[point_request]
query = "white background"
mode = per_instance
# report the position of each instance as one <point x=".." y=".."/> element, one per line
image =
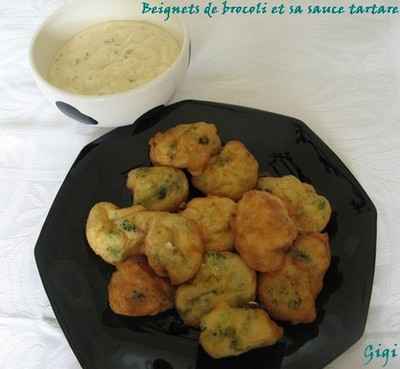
<point x="339" y="74"/>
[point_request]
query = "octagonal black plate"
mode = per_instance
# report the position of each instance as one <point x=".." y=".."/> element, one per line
<point x="76" y="280"/>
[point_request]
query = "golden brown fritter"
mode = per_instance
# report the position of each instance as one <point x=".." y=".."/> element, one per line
<point x="310" y="211"/>
<point x="158" y="188"/>
<point x="186" y="146"/>
<point x="135" y="290"/>
<point x="223" y="277"/>
<point x="287" y="294"/>
<point x="263" y="231"/>
<point x="227" y="331"/>
<point x="174" y="247"/>
<point x="230" y="174"/>
<point x="213" y="215"/>
<point x="112" y="234"/>
<point x="311" y="252"/>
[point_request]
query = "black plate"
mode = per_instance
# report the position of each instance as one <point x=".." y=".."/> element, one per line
<point x="75" y="279"/>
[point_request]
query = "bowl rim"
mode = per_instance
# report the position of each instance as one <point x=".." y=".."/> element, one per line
<point x="147" y="85"/>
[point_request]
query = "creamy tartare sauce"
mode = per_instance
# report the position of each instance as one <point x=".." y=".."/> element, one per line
<point x="113" y="57"/>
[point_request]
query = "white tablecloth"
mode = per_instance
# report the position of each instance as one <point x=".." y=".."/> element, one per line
<point x="339" y="74"/>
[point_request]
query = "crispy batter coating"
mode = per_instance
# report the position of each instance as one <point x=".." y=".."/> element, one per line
<point x="311" y="252"/>
<point x="158" y="188"/>
<point x="230" y="174"/>
<point x="228" y="331"/>
<point x="214" y="215"/>
<point x="112" y="234"/>
<point x="310" y="211"/>
<point x="135" y="290"/>
<point x="223" y="277"/>
<point x="174" y="247"/>
<point x="287" y="294"/>
<point x="187" y="146"/>
<point x="263" y="231"/>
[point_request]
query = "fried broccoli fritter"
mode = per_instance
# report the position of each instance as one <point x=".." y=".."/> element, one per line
<point x="310" y="211"/>
<point x="223" y="277"/>
<point x="263" y="231"/>
<point x="228" y="331"/>
<point x="186" y="146"/>
<point x="135" y="290"/>
<point x="287" y="294"/>
<point x="158" y="188"/>
<point x="230" y="174"/>
<point x="174" y="247"/>
<point x="214" y="216"/>
<point x="112" y="232"/>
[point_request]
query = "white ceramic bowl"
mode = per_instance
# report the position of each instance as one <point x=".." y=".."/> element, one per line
<point x="108" y="110"/>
